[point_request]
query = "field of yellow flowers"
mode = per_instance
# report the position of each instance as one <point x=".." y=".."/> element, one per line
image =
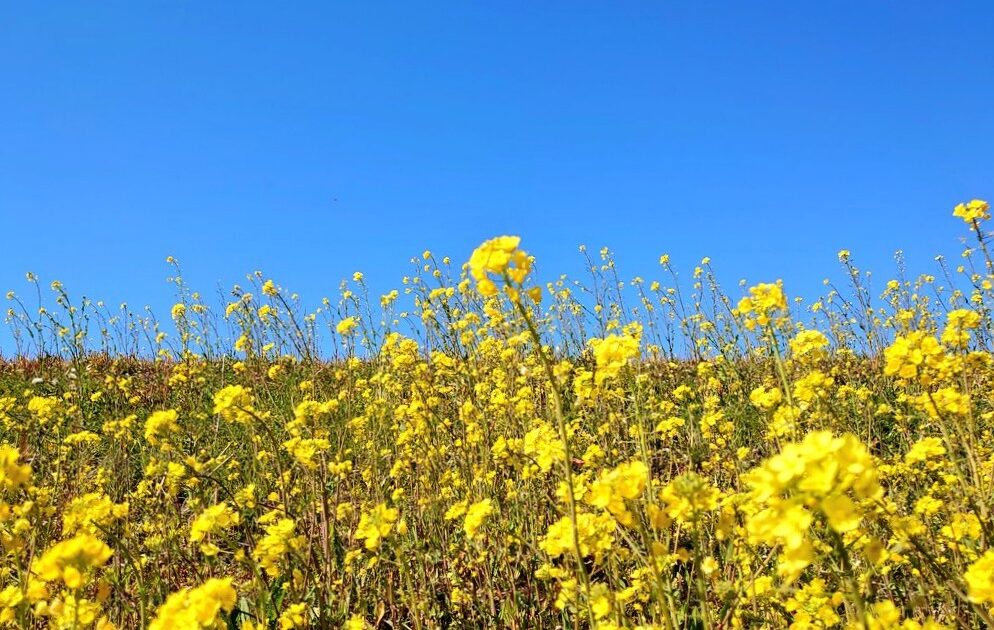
<point x="578" y="454"/>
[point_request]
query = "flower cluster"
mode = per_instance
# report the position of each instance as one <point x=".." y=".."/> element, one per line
<point x="501" y="257"/>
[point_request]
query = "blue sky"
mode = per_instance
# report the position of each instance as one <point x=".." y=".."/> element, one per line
<point x="311" y="140"/>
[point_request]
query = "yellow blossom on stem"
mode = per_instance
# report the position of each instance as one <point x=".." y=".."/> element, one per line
<point x="376" y="525"/>
<point x="71" y="559"/>
<point x="973" y="211"/>
<point x="200" y="607"/>
<point x="980" y="580"/>
<point x="498" y="256"/>
<point x="476" y="514"/>
<point x="612" y="353"/>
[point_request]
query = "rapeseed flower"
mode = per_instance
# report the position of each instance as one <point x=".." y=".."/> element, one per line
<point x="375" y="525"/>
<point x="200" y="607"/>
<point x="973" y="211"/>
<point x="476" y="515"/>
<point x="498" y="256"/>
<point x="980" y="580"/>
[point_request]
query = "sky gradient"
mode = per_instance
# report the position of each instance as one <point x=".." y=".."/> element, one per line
<point x="310" y="141"/>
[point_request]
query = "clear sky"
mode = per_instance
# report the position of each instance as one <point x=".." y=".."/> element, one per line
<point x="309" y="140"/>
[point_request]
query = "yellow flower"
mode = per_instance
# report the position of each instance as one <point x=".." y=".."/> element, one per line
<point x="819" y="472"/>
<point x="595" y="534"/>
<point x="958" y="322"/>
<point x="375" y="525"/>
<point x="69" y="611"/>
<point x="600" y="600"/>
<point x="295" y="616"/>
<point x="498" y="256"/>
<point x="764" y="398"/>
<point x="44" y="409"/>
<point x="924" y="449"/>
<point x="916" y="355"/>
<point x="972" y="211"/>
<point x="841" y="512"/>
<point x="944" y="402"/>
<point x="612" y="353"/>
<point x="213" y="519"/>
<point x="812" y="387"/>
<point x="70" y="559"/>
<point x="613" y="487"/>
<point x="234" y="404"/>
<point x="200" y="607"/>
<point x="544" y="446"/>
<point x="688" y="496"/>
<point x="304" y="450"/>
<point x="13" y="475"/>
<point x="765" y="300"/>
<point x="346" y="326"/>
<point x="280" y="540"/>
<point x="456" y="510"/>
<point x="476" y="514"/>
<point x="160" y="425"/>
<point x="92" y="513"/>
<point x="980" y="579"/>
<point x="10" y="598"/>
<point x="809" y="343"/>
